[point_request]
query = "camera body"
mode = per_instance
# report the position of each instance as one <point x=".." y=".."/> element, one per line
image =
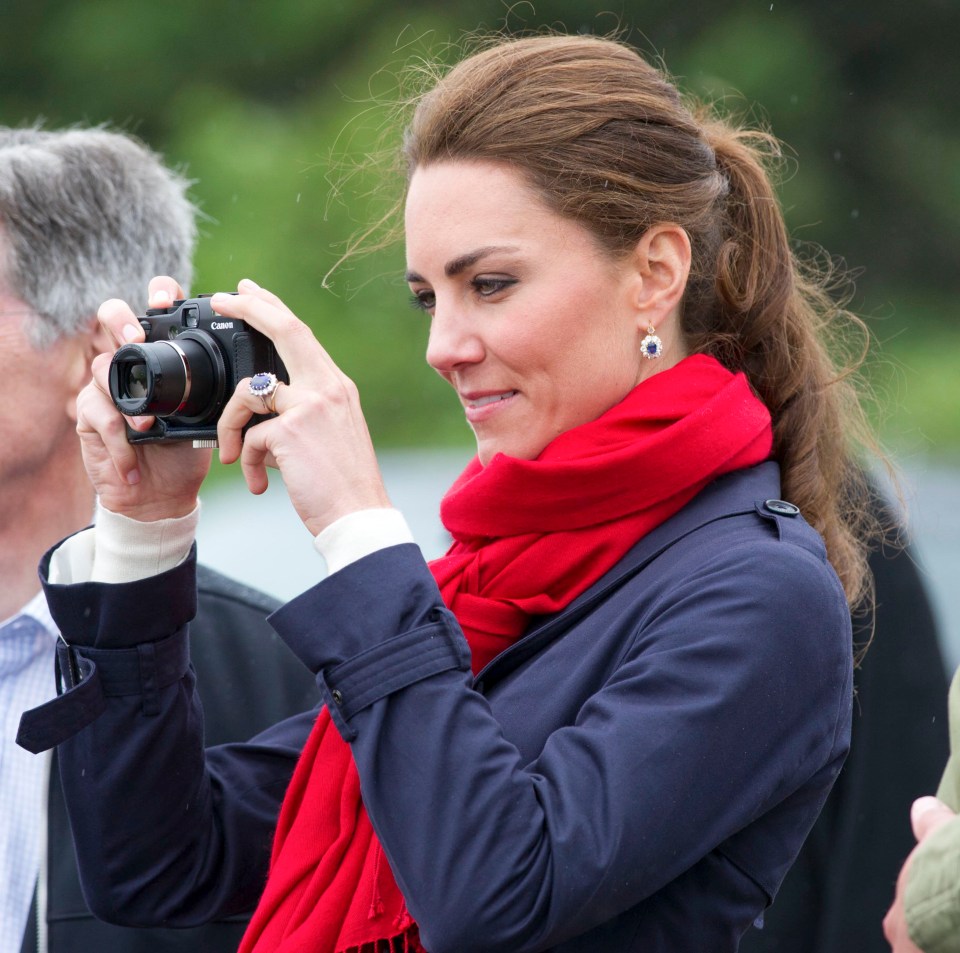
<point x="187" y="369"/>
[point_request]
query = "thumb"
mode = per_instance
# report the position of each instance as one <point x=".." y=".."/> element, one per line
<point x="927" y="814"/>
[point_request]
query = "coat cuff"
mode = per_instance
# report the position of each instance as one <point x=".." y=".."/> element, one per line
<point x="121" y="615"/>
<point x="374" y="628"/>
<point x="117" y="639"/>
<point x="87" y="677"/>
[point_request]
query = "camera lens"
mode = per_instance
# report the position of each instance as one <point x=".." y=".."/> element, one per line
<point x="135" y="383"/>
<point x="167" y="378"/>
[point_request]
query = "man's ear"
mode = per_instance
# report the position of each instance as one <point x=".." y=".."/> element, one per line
<point x="84" y="347"/>
<point x="98" y="340"/>
<point x="662" y="259"/>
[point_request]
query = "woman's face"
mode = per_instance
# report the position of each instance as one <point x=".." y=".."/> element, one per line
<point x="533" y="325"/>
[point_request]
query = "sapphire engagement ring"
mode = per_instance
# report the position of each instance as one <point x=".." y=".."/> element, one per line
<point x="265" y="386"/>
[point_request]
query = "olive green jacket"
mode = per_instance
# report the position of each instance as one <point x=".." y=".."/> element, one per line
<point x="932" y="897"/>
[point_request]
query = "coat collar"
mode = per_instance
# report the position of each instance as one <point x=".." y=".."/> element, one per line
<point x="730" y="495"/>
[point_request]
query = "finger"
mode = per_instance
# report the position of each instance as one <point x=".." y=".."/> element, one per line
<point x="236" y="414"/>
<point x="253" y="459"/>
<point x="893" y="927"/>
<point x="120" y="322"/>
<point x="239" y="410"/>
<point x="301" y="352"/>
<point x="100" y="368"/>
<point x="248" y="286"/>
<point x="927" y="814"/>
<point x="162" y="291"/>
<point x="98" y="421"/>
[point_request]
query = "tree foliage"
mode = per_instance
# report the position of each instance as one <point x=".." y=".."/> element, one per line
<point x="267" y="106"/>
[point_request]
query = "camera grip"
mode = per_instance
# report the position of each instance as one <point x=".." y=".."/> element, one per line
<point x="161" y="433"/>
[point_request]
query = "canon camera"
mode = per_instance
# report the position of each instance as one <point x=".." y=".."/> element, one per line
<point x="187" y="369"/>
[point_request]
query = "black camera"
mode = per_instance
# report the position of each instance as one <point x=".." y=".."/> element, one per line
<point x="187" y="370"/>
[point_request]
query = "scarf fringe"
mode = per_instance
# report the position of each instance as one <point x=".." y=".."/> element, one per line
<point x="406" y="942"/>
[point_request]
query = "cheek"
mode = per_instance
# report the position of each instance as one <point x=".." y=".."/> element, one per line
<point x="521" y="344"/>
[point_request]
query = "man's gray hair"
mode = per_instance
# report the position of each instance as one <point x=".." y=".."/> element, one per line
<point x="88" y="214"/>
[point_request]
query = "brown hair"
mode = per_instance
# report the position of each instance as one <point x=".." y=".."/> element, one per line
<point x="607" y="140"/>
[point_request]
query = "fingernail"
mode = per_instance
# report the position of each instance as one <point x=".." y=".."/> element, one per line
<point x="923" y="805"/>
<point x="131" y="332"/>
<point x="248" y="284"/>
<point x="133" y="477"/>
<point x="161" y="296"/>
<point x="138" y="422"/>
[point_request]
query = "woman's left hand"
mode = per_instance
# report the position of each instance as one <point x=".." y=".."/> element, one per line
<point x="319" y="438"/>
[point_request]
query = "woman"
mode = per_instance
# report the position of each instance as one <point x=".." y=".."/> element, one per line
<point x="607" y="718"/>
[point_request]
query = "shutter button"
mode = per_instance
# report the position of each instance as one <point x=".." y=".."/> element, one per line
<point x="782" y="507"/>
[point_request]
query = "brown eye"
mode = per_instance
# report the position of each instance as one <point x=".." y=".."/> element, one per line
<point x="488" y="287"/>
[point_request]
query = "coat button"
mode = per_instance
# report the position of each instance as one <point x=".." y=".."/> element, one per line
<point x="782" y="508"/>
<point x="337" y="697"/>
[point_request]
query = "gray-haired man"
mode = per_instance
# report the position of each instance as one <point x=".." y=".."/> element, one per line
<point x="88" y="214"/>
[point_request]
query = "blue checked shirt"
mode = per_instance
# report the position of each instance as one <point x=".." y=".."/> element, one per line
<point x="27" y="645"/>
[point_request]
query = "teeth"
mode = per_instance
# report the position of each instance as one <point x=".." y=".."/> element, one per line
<point x="482" y="401"/>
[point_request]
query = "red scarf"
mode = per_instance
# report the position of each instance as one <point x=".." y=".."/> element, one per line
<point x="529" y="537"/>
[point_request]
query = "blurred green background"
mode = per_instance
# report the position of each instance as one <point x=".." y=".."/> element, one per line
<point x="268" y="106"/>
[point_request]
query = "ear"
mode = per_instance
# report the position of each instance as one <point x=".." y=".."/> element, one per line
<point x="662" y="260"/>
<point x="98" y="341"/>
<point x="83" y="348"/>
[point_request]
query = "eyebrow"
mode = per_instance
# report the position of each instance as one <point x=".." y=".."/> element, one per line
<point x="457" y="265"/>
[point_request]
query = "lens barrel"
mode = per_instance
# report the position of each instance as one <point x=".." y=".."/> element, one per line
<point x="183" y="378"/>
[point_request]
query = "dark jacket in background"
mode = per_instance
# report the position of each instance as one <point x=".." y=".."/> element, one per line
<point x="248" y="680"/>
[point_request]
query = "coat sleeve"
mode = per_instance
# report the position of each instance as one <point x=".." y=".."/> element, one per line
<point x="166" y="833"/>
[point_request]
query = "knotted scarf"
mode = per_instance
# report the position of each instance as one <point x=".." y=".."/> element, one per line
<point x="529" y="537"/>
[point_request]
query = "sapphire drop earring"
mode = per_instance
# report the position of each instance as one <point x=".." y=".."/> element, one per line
<point x="651" y="346"/>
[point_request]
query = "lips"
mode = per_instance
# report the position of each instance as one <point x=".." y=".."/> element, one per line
<point x="488" y="398"/>
<point x="481" y="407"/>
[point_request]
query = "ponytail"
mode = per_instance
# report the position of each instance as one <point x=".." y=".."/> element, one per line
<point x="775" y="318"/>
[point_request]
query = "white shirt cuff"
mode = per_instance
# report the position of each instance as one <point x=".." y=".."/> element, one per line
<point x="359" y="534"/>
<point x="120" y="549"/>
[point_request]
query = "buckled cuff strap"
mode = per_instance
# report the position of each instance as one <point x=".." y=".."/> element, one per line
<point x="87" y="677"/>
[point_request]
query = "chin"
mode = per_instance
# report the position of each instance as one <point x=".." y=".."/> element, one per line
<point x="487" y="451"/>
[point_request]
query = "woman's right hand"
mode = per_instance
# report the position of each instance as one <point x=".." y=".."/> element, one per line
<point x="147" y="481"/>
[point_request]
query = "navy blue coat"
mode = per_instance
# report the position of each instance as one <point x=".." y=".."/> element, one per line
<point x="638" y="772"/>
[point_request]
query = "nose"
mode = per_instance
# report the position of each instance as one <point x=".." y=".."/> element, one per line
<point x="452" y="342"/>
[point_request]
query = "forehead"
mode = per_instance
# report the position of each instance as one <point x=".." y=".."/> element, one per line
<point x="474" y="186"/>
<point x="454" y="207"/>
